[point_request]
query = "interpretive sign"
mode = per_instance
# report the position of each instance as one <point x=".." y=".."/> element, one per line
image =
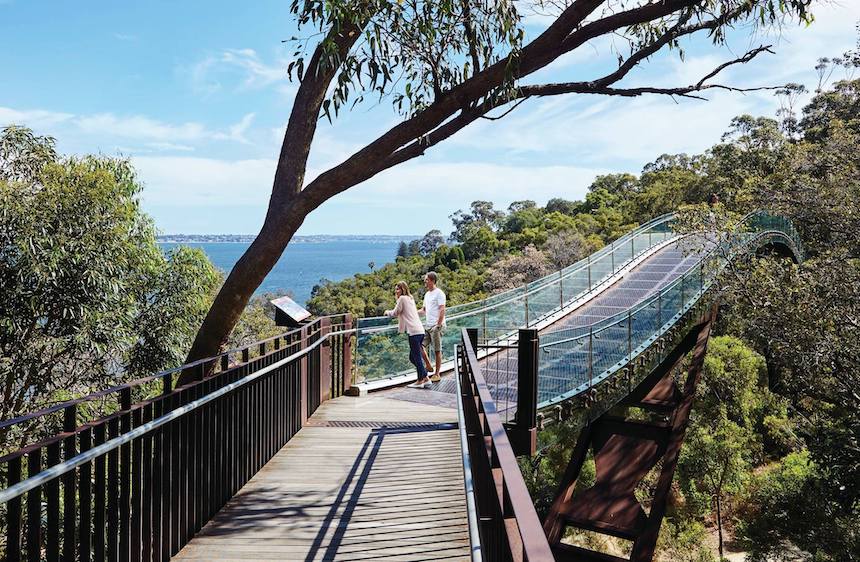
<point x="288" y="312"/>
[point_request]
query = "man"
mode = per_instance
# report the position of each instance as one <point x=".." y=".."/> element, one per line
<point x="434" y="309"/>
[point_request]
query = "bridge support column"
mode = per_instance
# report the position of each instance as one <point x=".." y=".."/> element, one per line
<point x="522" y="433"/>
<point x="625" y="450"/>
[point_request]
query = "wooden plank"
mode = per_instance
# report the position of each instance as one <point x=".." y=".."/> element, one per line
<point x="364" y="492"/>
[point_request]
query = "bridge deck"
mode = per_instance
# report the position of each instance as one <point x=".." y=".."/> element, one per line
<point x="368" y="478"/>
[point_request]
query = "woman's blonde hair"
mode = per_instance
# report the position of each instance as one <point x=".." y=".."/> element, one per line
<point x="404" y="288"/>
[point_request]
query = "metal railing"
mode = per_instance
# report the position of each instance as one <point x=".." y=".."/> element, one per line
<point x="574" y="361"/>
<point x="381" y="354"/>
<point x="503" y="524"/>
<point x="138" y="483"/>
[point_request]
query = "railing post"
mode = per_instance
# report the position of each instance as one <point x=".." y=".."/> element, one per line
<point x="612" y="253"/>
<point x="527" y="305"/>
<point x="683" y="277"/>
<point x="629" y="335"/>
<point x="328" y="387"/>
<point x="347" y="353"/>
<point x="70" y="423"/>
<point x="589" y="272"/>
<point x="303" y="377"/>
<point x="560" y="290"/>
<point x="590" y="357"/>
<point x="13" y="513"/>
<point x="484" y="325"/>
<point x="659" y="309"/>
<point x="522" y="433"/>
<point x="632" y="246"/>
<point x="473" y="338"/>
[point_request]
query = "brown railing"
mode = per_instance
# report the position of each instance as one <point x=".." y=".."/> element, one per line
<point x="504" y="516"/>
<point x="138" y="483"/>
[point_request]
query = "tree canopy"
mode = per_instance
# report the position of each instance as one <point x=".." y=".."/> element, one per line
<point x="445" y="65"/>
<point x="87" y="294"/>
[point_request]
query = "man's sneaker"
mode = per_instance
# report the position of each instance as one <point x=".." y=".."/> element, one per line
<point x="417" y="384"/>
<point x="428" y="384"/>
<point x="435" y="378"/>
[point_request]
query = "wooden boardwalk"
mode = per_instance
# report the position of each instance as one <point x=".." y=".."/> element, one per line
<point x="368" y="478"/>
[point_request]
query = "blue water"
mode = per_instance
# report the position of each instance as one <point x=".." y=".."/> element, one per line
<point x="304" y="264"/>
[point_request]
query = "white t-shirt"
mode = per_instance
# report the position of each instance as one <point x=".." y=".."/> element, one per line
<point x="433" y="302"/>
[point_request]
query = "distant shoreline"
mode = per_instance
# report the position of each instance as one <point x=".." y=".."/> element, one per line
<point x="248" y="238"/>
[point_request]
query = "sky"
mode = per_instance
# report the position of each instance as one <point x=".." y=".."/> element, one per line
<point x="196" y="94"/>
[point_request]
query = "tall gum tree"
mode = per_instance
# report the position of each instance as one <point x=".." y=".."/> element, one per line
<point x="445" y="64"/>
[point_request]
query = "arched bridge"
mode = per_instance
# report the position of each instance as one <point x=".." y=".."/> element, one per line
<point x="270" y="459"/>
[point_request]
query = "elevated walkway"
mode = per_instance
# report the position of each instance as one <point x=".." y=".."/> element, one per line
<point x="367" y="478"/>
<point x="261" y="457"/>
<point x="561" y="367"/>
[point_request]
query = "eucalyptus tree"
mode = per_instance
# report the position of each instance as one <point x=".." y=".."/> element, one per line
<point x="86" y="295"/>
<point x="445" y="64"/>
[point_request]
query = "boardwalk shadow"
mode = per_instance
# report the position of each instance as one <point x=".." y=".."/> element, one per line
<point x="350" y="496"/>
<point x="385" y="507"/>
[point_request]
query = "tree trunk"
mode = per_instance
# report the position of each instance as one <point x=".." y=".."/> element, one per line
<point x="288" y="205"/>
<point x="248" y="273"/>
<point x="720" y="525"/>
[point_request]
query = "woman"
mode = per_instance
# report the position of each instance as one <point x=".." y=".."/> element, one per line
<point x="407" y="321"/>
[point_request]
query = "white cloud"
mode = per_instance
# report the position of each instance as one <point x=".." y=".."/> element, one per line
<point x="427" y="184"/>
<point x="608" y="132"/>
<point x="109" y="129"/>
<point x="139" y="127"/>
<point x="424" y="193"/>
<point x="169" y="146"/>
<point x="257" y="73"/>
<point x="35" y="118"/>
<point x="243" y="69"/>
<point x="124" y="36"/>
<point x="237" y="132"/>
<point x="180" y="181"/>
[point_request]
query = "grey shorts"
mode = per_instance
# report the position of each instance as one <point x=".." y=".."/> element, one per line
<point x="433" y="336"/>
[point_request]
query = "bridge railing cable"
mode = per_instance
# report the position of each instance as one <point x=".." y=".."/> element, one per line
<point x="139" y="483"/>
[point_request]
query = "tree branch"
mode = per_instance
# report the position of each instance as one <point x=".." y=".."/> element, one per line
<point x="541" y="51"/>
<point x="596" y="87"/>
<point x="416" y="134"/>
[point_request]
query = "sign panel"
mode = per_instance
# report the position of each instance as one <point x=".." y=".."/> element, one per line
<point x="288" y="311"/>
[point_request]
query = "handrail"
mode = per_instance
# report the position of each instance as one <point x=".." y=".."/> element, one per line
<point x="590" y="332"/>
<point x="506" y="297"/>
<point x="468" y="483"/>
<point x="21" y="488"/>
<point x="506" y="497"/>
<point x="151" y="378"/>
<point x="606" y="322"/>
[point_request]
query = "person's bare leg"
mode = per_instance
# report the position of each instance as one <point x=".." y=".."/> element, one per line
<point x="427" y="363"/>
<point x="436" y="377"/>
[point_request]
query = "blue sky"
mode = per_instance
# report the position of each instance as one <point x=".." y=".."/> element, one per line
<point x="196" y="94"/>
